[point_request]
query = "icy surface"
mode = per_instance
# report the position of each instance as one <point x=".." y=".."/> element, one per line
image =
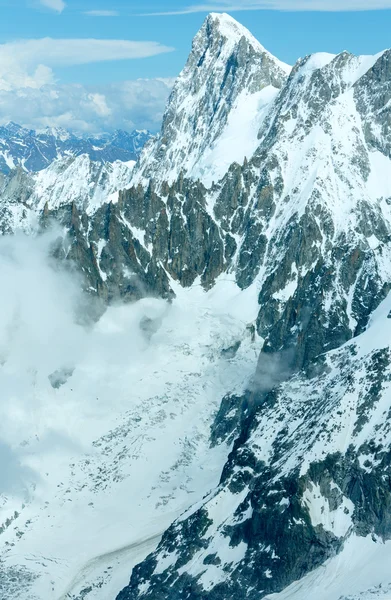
<point x="239" y="139"/>
<point x="360" y="572"/>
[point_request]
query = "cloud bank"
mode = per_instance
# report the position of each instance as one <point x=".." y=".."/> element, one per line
<point x="60" y="378"/>
<point x="29" y="63"/>
<point x="37" y="333"/>
<point x="31" y="95"/>
<point x="137" y="104"/>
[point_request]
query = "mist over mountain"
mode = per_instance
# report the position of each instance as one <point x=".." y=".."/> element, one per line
<point x="195" y="347"/>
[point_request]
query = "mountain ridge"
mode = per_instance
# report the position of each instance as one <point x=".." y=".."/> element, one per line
<point x="35" y="150"/>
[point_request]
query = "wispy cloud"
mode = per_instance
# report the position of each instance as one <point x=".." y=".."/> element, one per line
<point x="31" y="94"/>
<point x="282" y="5"/>
<point x="29" y="63"/>
<point x="61" y="52"/>
<point x="57" y="5"/>
<point x="102" y="13"/>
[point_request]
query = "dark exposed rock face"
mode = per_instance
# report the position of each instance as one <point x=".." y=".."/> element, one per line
<point x="372" y="95"/>
<point x="288" y="499"/>
<point x="179" y="240"/>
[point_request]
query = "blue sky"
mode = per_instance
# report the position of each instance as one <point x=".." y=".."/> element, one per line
<point x="145" y="47"/>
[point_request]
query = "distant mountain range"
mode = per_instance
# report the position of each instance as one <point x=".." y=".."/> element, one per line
<point x="36" y="150"/>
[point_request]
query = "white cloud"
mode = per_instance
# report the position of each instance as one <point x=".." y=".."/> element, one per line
<point x="137" y="104"/>
<point x="41" y="338"/>
<point x="13" y="76"/>
<point x="65" y="52"/>
<point x="57" y="5"/>
<point x="31" y="96"/>
<point x="102" y="13"/>
<point x="29" y="63"/>
<point x="284" y="5"/>
<point x="99" y="104"/>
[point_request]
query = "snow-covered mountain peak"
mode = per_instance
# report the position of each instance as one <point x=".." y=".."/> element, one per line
<point x="56" y="132"/>
<point x="221" y="89"/>
<point x="263" y="387"/>
<point x="345" y="68"/>
<point x="13" y="127"/>
<point x="228" y="27"/>
<point x="234" y="32"/>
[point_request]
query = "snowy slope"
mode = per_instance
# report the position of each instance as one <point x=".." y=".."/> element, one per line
<point x="360" y="572"/>
<point x="330" y="433"/>
<point x="87" y="183"/>
<point x="309" y="213"/>
<point x="69" y="181"/>
<point x="111" y="429"/>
